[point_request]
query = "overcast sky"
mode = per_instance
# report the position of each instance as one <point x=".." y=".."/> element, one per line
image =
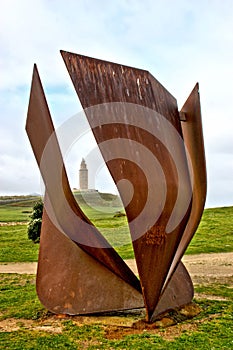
<point x="180" y="42"/>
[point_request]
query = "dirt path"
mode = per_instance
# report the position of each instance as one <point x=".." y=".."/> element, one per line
<point x="205" y="268"/>
<point x="201" y="267"/>
<point x="204" y="265"/>
<point x="21" y="268"/>
<point x="13" y="223"/>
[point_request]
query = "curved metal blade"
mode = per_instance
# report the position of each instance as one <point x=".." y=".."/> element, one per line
<point x="70" y="281"/>
<point x="179" y="292"/>
<point x="124" y="93"/>
<point x="68" y="216"/>
<point x="193" y="138"/>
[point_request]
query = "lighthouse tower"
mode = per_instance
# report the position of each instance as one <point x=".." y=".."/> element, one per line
<point x="83" y="176"/>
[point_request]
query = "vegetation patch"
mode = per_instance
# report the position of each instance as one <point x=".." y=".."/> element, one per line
<point x="25" y="324"/>
<point x="215" y="232"/>
<point x="15" y="245"/>
<point x="34" y="226"/>
<point x="16" y="208"/>
<point x="223" y="291"/>
<point x="18" y="297"/>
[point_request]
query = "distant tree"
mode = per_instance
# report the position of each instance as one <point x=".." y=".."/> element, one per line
<point x="34" y="225"/>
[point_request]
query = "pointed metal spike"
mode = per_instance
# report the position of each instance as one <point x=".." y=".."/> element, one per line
<point x="68" y="215"/>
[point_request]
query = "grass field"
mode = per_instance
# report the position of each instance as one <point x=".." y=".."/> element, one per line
<point x="214" y="234"/>
<point x="25" y="324"/>
<point x="15" y="245"/>
<point x="17" y="208"/>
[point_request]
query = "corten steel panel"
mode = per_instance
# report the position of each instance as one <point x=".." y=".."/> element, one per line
<point x="193" y="138"/>
<point x="67" y="214"/>
<point x="178" y="292"/>
<point x="75" y="283"/>
<point x="70" y="281"/>
<point x="100" y="82"/>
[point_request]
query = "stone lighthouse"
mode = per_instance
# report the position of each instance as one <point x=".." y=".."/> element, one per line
<point x="83" y="176"/>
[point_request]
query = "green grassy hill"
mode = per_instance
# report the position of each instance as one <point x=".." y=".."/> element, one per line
<point x="19" y="208"/>
<point x="98" y="199"/>
<point x="16" y="208"/>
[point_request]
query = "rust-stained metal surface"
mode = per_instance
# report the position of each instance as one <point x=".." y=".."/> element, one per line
<point x="155" y="155"/>
<point x="193" y="138"/>
<point x="70" y="281"/>
<point x="178" y="292"/>
<point x="66" y="214"/>
<point x="111" y="85"/>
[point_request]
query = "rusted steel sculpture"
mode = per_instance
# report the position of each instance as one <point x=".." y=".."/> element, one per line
<point x="148" y="146"/>
<point x="64" y="264"/>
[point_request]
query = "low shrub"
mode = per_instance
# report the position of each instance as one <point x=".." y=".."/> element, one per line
<point x="34" y="226"/>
